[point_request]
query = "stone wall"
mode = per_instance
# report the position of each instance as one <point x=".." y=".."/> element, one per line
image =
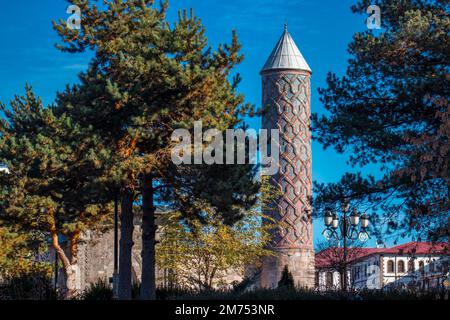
<point x="96" y="259"/>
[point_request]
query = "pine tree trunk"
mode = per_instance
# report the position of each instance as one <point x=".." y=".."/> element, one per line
<point x="126" y="245"/>
<point x="69" y="266"/>
<point x="148" y="285"/>
<point x="70" y="290"/>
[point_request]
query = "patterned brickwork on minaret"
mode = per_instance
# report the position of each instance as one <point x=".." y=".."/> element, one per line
<point x="287" y="92"/>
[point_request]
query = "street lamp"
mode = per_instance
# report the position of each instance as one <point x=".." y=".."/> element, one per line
<point x="328" y="219"/>
<point x="115" y="279"/>
<point x="364" y="221"/>
<point x="354" y="217"/>
<point x="335" y="222"/>
<point x="348" y="227"/>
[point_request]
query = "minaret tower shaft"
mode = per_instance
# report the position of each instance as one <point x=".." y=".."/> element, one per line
<point x="287" y="94"/>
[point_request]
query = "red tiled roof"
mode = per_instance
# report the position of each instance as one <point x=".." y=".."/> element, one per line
<point x="421" y="248"/>
<point x="330" y="256"/>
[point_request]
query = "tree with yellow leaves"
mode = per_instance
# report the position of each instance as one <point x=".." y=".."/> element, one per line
<point x="203" y="255"/>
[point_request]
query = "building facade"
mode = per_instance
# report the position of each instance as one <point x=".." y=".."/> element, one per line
<point x="287" y="101"/>
<point x="422" y="265"/>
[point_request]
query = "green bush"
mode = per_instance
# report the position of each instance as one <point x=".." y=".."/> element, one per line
<point x="40" y="287"/>
<point x="101" y="290"/>
<point x="36" y="286"/>
<point x="290" y="293"/>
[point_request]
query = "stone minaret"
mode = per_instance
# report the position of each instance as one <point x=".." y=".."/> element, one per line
<point x="287" y="92"/>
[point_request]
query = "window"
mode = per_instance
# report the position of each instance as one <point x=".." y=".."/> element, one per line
<point x="390" y="266"/>
<point x="329" y="279"/>
<point x="316" y="279"/>
<point x="431" y="266"/>
<point x="421" y="267"/>
<point x="411" y="265"/>
<point x="401" y="266"/>
<point x="445" y="267"/>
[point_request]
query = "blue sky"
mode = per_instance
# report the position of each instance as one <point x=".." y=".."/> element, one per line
<point x="321" y="29"/>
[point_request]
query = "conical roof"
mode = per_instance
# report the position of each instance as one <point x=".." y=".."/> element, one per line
<point x="286" y="55"/>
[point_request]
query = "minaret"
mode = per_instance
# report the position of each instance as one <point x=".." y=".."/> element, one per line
<point x="287" y="94"/>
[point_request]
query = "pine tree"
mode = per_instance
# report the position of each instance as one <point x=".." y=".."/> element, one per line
<point x="391" y="109"/>
<point x="53" y="186"/>
<point x="147" y="79"/>
<point x="287" y="280"/>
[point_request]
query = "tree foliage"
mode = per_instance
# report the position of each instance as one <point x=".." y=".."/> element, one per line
<point x="391" y="109"/>
<point x="19" y="253"/>
<point x="53" y="184"/>
<point x="204" y="253"/>
<point x="149" y="77"/>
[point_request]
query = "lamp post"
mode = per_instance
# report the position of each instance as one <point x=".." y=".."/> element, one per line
<point x="55" y="284"/>
<point x="115" y="279"/>
<point x="347" y="226"/>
